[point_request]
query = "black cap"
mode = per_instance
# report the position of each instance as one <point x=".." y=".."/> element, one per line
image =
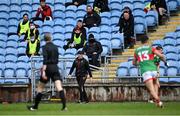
<point x="91" y="36"/>
<point x="80" y="52"/>
<point x="159" y="47"/>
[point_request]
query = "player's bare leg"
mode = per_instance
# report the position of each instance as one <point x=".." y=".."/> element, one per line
<point x="59" y="88"/>
<point x="149" y="84"/>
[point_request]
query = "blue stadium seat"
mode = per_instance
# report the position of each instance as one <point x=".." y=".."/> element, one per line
<point x="2" y="58"/>
<point x="170" y="49"/>
<point x="22" y="44"/>
<point x="140" y="27"/>
<point x="4" y="8"/>
<point x="47" y="29"/>
<point x="4" y="15"/>
<point x="9" y="64"/>
<point x="15" y="2"/>
<point x="3" y="37"/>
<point x="162" y="71"/>
<point x="70" y="22"/>
<point x="13" y="38"/>
<point x="48" y="23"/>
<point x="5" y="2"/>
<point x="115" y="1"/>
<point x="22" y="65"/>
<point x="58" y="43"/>
<point x="70" y="15"/>
<point x="81" y="8"/>
<point x="14" y="15"/>
<point x="139" y="13"/>
<point x="11" y="44"/>
<point x="105" y="50"/>
<point x="71" y="8"/>
<point x="26" y="8"/>
<point x="105" y="15"/>
<point x="105" y="29"/>
<point x="9" y="75"/>
<point x="35" y="7"/>
<point x="106" y="36"/>
<point x="172" y="69"/>
<point x="67" y="36"/>
<point x="117" y="40"/>
<point x="122" y="71"/>
<point x="152" y="18"/>
<point x="11" y="50"/>
<point x="171" y="35"/>
<point x="173" y="5"/>
<point x="59" y="7"/>
<point x="21" y="50"/>
<point x="12" y="29"/>
<point x="11" y="58"/>
<point x="23" y="59"/>
<point x="106" y="21"/>
<point x="115" y="6"/>
<point x="69" y="29"/>
<point x="133" y="71"/>
<point x="3" y="30"/>
<point x="2" y="44"/>
<point x="158" y="42"/>
<point x="94" y="30"/>
<point x="71" y="51"/>
<point x="114" y="21"/>
<point x="15" y="8"/>
<point x="39" y="23"/>
<point x="61" y="51"/>
<point x="116" y="13"/>
<point x="51" y="2"/>
<point x="59" y="22"/>
<point x="59" y="15"/>
<point x="4" y="23"/>
<point x="172" y="56"/>
<point x="59" y="2"/>
<point x="80" y="14"/>
<point x="127" y="4"/>
<point x="27" y="2"/>
<point x="58" y="36"/>
<point x="169" y="42"/>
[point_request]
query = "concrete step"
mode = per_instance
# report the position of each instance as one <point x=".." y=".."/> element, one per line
<point x="118" y="60"/>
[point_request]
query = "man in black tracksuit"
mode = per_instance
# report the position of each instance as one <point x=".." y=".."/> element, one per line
<point x="49" y="70"/>
<point x="91" y="19"/>
<point x="76" y="3"/>
<point x="82" y="70"/>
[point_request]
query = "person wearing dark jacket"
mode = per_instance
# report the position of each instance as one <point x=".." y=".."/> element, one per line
<point x="49" y="71"/>
<point x="126" y="24"/>
<point x="82" y="70"/>
<point x="161" y="7"/>
<point x="76" y="3"/>
<point x="91" y="19"/>
<point x="100" y="6"/>
<point x="78" y="37"/>
<point x="93" y="49"/>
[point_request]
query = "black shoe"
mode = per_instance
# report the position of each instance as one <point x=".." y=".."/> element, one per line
<point x="31" y="108"/>
<point x="64" y="109"/>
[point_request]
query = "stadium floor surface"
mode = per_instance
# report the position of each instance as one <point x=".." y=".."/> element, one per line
<point x="95" y="109"/>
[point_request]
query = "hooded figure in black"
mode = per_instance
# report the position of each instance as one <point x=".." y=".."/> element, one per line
<point x="82" y="71"/>
<point x="101" y="6"/>
<point x="93" y="49"/>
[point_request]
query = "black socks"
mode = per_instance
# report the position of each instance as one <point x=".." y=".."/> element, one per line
<point x="37" y="100"/>
<point x="63" y="99"/>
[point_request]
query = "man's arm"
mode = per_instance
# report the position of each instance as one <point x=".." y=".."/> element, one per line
<point x="98" y="19"/>
<point x="161" y="56"/>
<point x="100" y="49"/>
<point x="26" y="35"/>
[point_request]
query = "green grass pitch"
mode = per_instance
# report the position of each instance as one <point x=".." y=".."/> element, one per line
<point x="97" y="108"/>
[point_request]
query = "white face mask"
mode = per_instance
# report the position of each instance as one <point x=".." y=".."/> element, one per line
<point x="32" y="27"/>
<point x="32" y="39"/>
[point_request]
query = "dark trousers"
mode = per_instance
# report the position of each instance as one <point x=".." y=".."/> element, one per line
<point x="128" y="42"/>
<point x="81" y="81"/>
<point x="94" y="59"/>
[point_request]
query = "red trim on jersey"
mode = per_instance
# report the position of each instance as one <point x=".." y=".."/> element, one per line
<point x="153" y="78"/>
<point x="153" y="49"/>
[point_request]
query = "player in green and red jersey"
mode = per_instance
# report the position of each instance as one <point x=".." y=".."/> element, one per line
<point x="144" y="57"/>
<point x="157" y="63"/>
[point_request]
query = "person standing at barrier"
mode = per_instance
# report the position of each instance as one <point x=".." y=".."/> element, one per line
<point x="49" y="71"/>
<point x="144" y="57"/>
<point x="82" y="70"/>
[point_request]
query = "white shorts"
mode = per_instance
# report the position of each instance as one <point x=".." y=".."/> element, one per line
<point x="149" y="75"/>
